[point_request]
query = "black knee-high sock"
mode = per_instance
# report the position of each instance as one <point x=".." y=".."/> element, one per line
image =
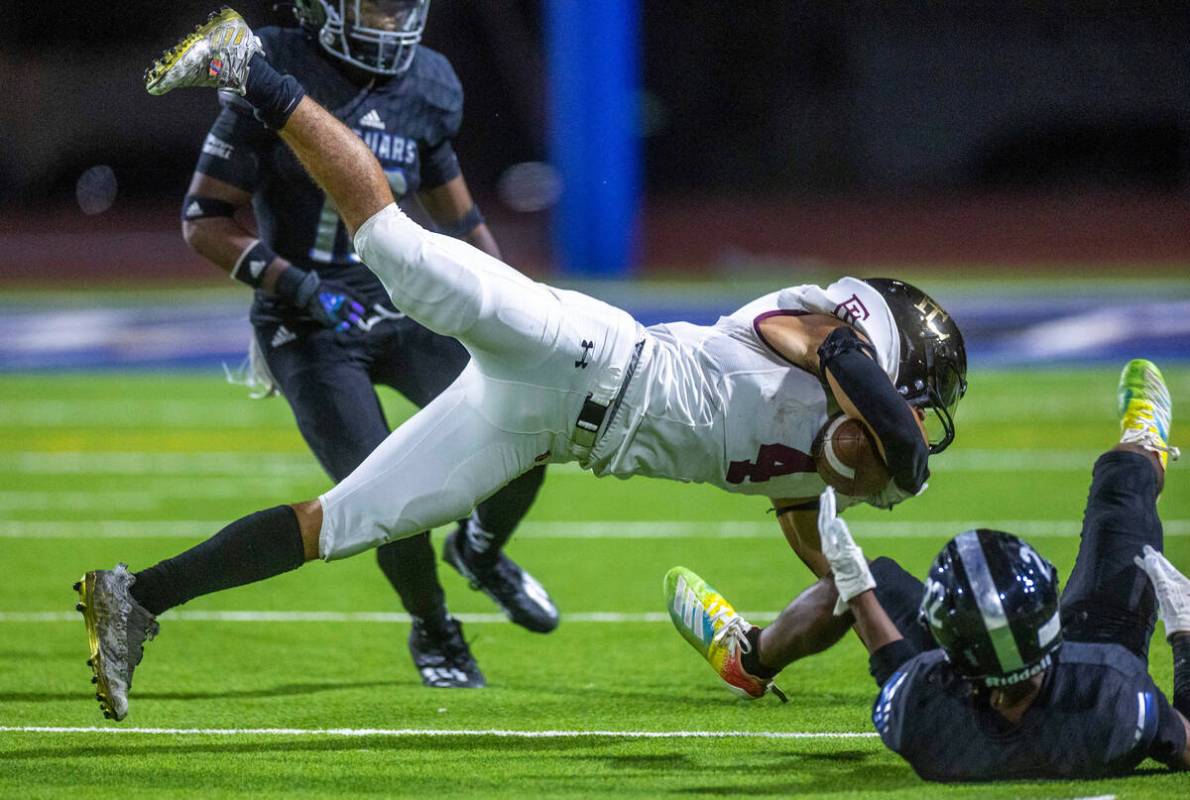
<point x="274" y="96"/>
<point x="411" y="568"/>
<point x="250" y="549"/>
<point x="498" y="516"/>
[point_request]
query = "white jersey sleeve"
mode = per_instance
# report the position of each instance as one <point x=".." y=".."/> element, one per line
<point x="850" y="299"/>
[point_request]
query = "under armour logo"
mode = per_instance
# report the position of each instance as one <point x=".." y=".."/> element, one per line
<point x="587" y="348"/>
<point x="852" y="310"/>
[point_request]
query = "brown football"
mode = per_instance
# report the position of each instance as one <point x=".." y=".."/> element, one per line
<point x="847" y="459"/>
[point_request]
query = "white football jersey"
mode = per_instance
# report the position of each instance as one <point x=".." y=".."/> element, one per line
<point x="715" y="404"/>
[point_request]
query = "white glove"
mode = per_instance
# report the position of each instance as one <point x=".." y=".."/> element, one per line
<point x="1172" y="588"/>
<point x="850" y="568"/>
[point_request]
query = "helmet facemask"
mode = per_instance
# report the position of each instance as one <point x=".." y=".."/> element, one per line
<point x="938" y="397"/>
<point x="378" y="36"/>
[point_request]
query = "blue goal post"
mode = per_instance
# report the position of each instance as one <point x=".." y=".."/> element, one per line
<point x="593" y="58"/>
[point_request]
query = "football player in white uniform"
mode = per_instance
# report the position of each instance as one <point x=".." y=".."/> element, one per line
<point x="555" y="376"/>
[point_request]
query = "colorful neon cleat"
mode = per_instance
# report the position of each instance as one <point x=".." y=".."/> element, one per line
<point x="712" y="627"/>
<point x="1145" y="408"/>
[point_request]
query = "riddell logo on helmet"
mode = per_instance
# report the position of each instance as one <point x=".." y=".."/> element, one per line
<point x="852" y="310"/>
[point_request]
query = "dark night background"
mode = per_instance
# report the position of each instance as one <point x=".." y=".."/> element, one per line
<point x="741" y="103"/>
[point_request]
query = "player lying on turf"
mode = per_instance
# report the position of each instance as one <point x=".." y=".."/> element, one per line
<point x="983" y="675"/>
<point x="555" y="376"/>
<point x="325" y="328"/>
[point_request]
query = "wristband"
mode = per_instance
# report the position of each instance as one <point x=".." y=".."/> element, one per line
<point x="197" y="207"/>
<point x="296" y="286"/>
<point x="464" y="224"/>
<point x="252" y="264"/>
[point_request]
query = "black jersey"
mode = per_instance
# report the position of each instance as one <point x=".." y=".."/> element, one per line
<point x="407" y="122"/>
<point x="1098" y="713"/>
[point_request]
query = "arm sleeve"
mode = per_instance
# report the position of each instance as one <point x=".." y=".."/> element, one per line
<point x="854" y="366"/>
<point x="883" y="663"/>
<point x="232" y="149"/>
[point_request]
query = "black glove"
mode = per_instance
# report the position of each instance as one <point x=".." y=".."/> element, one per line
<point x="332" y="305"/>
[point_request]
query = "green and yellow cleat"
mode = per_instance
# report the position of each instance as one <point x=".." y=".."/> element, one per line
<point x="1145" y="408"/>
<point x="712" y="627"/>
<point x="216" y="54"/>
<point x="117" y="629"/>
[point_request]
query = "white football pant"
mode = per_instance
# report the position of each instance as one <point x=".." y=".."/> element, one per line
<point x="536" y="354"/>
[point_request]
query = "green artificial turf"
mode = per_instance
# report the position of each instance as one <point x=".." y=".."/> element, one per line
<point x="134" y="467"/>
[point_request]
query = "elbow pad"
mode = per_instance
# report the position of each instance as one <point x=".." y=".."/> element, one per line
<point x="852" y="363"/>
<point x="888" y="659"/>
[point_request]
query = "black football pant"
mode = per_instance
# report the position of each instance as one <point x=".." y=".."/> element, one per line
<point x="328" y="380"/>
<point x="1108" y="598"/>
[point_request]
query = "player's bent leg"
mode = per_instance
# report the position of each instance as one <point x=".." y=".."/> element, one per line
<point x="432" y="470"/>
<point x="1108" y="598"/>
<point x="120" y="609"/>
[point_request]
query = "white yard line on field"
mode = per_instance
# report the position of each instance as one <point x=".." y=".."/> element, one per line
<point x="383" y="617"/>
<point x="581" y="529"/>
<point x="300" y="464"/>
<point x="415" y="732"/>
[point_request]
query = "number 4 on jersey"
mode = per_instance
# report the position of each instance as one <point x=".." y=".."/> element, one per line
<point x="771" y="460"/>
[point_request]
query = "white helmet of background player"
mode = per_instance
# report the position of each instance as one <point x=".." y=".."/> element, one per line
<point x="378" y="36"/>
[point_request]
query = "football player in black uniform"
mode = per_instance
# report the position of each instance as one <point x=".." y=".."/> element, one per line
<point x="983" y="674"/>
<point x="325" y="328"/>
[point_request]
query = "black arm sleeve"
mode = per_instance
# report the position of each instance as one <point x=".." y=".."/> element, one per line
<point x="888" y="659"/>
<point x="852" y="364"/>
<point x="1181" y="673"/>
<point x="232" y="150"/>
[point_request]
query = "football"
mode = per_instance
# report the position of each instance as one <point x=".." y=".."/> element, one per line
<point x="846" y="457"/>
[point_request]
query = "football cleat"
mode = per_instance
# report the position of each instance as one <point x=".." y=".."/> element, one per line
<point x="1145" y="408"/>
<point x="216" y="54"/>
<point x="117" y="627"/>
<point x="443" y="659"/>
<point x="712" y="627"/>
<point x="519" y="594"/>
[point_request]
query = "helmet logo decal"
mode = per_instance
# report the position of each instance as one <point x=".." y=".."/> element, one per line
<point x="987" y="598"/>
<point x="853" y="310"/>
<point x="931" y="311"/>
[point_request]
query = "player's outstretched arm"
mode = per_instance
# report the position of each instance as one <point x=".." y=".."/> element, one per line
<point x="887" y="649"/>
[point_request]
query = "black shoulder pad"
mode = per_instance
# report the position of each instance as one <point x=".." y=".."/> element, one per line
<point x="439" y="84"/>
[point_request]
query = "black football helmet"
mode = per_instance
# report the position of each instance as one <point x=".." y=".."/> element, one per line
<point x="933" y="369"/>
<point x="991" y="603"/>
<point x="379" y="36"/>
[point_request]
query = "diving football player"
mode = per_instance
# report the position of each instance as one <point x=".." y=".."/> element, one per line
<point x="555" y="376"/>
<point x="325" y="330"/>
<point x="983" y="674"/>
